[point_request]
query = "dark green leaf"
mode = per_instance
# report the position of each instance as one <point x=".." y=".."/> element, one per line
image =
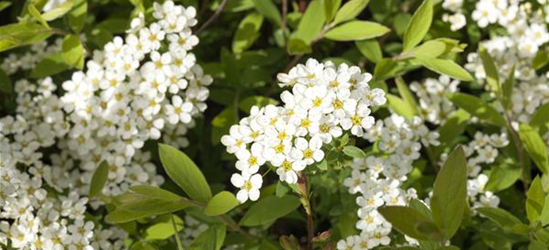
<point x="269" y="209"/>
<point x="409" y="221"/>
<point x="99" y="179"/>
<point x="298" y="47"/>
<point x="492" y="74"/>
<point x="535" y="146"/>
<point x="477" y="107"/>
<point x="50" y="65"/>
<point x="499" y="216"/>
<point x="5" y="83"/>
<point x="540" y="119"/>
<point x="247" y="32"/>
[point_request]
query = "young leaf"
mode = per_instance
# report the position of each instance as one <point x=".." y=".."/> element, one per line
<point x="354" y="152"/>
<point x="247" y="32"/>
<point x="356" y="30"/>
<point x="269" y="209"/>
<point x="58" y="11"/>
<point x="477" y="107"/>
<point x="77" y="16"/>
<point x="450" y="193"/>
<point x="407" y="95"/>
<point x="535" y="200"/>
<point x="297" y="46"/>
<point x="535" y="146"/>
<point x="221" y="203"/>
<point x="182" y="170"/>
<point x="400" y="106"/>
<point x="36" y="15"/>
<point x="410" y="222"/>
<point x="370" y="49"/>
<point x="419" y="25"/>
<point x="73" y="51"/>
<point x="350" y="10"/>
<point x="330" y="9"/>
<point x="99" y="179"/>
<point x="492" y="74"/>
<point x="445" y="67"/>
<point x="21" y="34"/>
<point x="311" y="23"/>
<point x="163" y="227"/>
<point x="269" y="10"/>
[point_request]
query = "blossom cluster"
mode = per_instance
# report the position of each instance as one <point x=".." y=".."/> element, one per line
<point x="144" y="87"/>
<point x="432" y="93"/>
<point x="378" y="179"/>
<point x="325" y="100"/>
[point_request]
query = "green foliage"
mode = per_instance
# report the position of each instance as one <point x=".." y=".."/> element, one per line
<point x="99" y="179"/>
<point x="269" y="209"/>
<point x="356" y="30"/>
<point x="419" y="25"/>
<point x="478" y="108"/>
<point x="73" y="51"/>
<point x="220" y="204"/>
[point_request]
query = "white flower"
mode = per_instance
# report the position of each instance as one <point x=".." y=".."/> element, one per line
<point x="179" y="111"/>
<point x="249" y="186"/>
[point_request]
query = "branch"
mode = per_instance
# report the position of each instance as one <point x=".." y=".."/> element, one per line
<point x="212" y="18"/>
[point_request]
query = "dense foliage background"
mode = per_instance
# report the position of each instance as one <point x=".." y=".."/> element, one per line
<point x="440" y="140"/>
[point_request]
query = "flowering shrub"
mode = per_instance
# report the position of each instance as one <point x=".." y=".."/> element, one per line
<point x="387" y="124"/>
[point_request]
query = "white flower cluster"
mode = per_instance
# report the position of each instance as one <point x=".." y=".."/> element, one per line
<point x="434" y="106"/>
<point x="378" y="179"/>
<point x="52" y="4"/>
<point x="193" y="228"/>
<point x="457" y="20"/>
<point x="325" y="101"/>
<point x="27" y="61"/>
<point x="133" y="91"/>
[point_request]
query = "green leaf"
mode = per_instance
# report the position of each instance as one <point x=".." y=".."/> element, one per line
<point x="211" y="239"/>
<point x="4" y="5"/>
<point x="544" y="216"/>
<point x="269" y="10"/>
<point x="21" y="34"/>
<point x="507" y="89"/>
<point x="350" y="10"/>
<point x="407" y="95"/>
<point x="477" y="107"/>
<point x="222" y="123"/>
<point x="330" y="9"/>
<point x="298" y="47"/>
<point x="492" y="74"/>
<point x="269" y="209"/>
<point x="410" y="222"/>
<point x="370" y="49"/>
<point x="419" y="25"/>
<point x="182" y="170"/>
<point x="540" y="119"/>
<point x="221" y="203"/>
<point x="48" y="66"/>
<point x="354" y="152"/>
<point x="99" y="179"/>
<point x="260" y="101"/>
<point x="450" y="193"/>
<point x="73" y="51"/>
<point x="453" y="127"/>
<point x="58" y="11"/>
<point x="311" y="23"/>
<point x="535" y="146"/>
<point x="143" y="208"/>
<point x="537" y="245"/>
<point x="163" y="227"/>
<point x="541" y="59"/>
<point x="502" y="177"/>
<point x="445" y="67"/>
<point x="36" y="15"/>
<point x="499" y="216"/>
<point x="143" y="245"/>
<point x="400" y="106"/>
<point x="437" y="48"/>
<point x="247" y="32"/>
<point x="535" y="200"/>
<point x="5" y="83"/>
<point x="77" y="16"/>
<point x="155" y="192"/>
<point x="356" y="30"/>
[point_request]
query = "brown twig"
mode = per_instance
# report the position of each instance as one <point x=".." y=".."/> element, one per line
<point x="518" y="145"/>
<point x="306" y="202"/>
<point x="284" y="15"/>
<point x="213" y="17"/>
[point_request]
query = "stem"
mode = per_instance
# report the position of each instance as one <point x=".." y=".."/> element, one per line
<point x="284" y="14"/>
<point x="306" y="202"/>
<point x="176" y="235"/>
<point x="518" y="145"/>
<point x="432" y="158"/>
<point x="213" y="17"/>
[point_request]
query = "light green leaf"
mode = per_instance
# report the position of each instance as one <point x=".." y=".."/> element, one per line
<point x="535" y="146"/>
<point x="222" y="123"/>
<point x="350" y="10"/>
<point x="370" y="49"/>
<point x="437" y="47"/>
<point x="221" y="203"/>
<point x="544" y="216"/>
<point x="77" y="16"/>
<point x="311" y="23"/>
<point x="507" y="89"/>
<point x="143" y="245"/>
<point x="182" y="170"/>
<point x="99" y="179"/>
<point x="492" y="74"/>
<point x="400" y="106"/>
<point x="356" y="30"/>
<point x="410" y="222"/>
<point x="407" y="95"/>
<point x="269" y="10"/>
<point x="155" y="192"/>
<point x="330" y="9"/>
<point x="58" y="11"/>
<point x="502" y="177"/>
<point x="211" y="239"/>
<point x="261" y="101"/>
<point x="540" y="119"/>
<point x="535" y="200"/>
<point x="477" y="107"/>
<point x="537" y="245"/>
<point x="247" y="32"/>
<point x="269" y="209"/>
<point x="163" y="227"/>
<point x="36" y="15"/>
<point x="4" y="5"/>
<point x="499" y="216"/>
<point x="48" y="66"/>
<point x="73" y="51"/>
<point x="354" y="152"/>
<point x="445" y="67"/>
<point x="297" y="46"/>
<point x="5" y="83"/>
<point x="450" y="193"/>
<point x="143" y="208"/>
<point x="21" y="34"/>
<point x="419" y="25"/>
